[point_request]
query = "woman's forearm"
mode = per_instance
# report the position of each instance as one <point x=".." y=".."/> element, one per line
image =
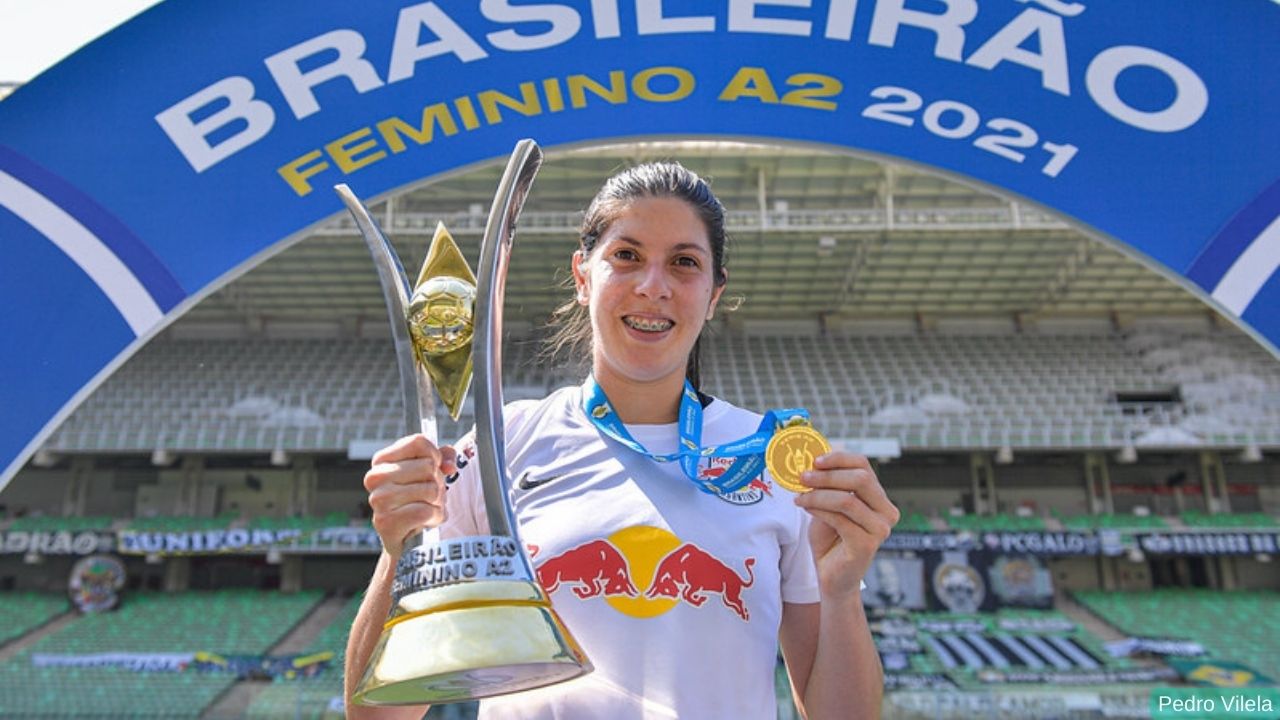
<point x="847" y="681"/>
<point x="365" y="632"/>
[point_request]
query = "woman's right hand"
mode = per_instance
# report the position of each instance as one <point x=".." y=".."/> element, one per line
<point x="406" y="488"/>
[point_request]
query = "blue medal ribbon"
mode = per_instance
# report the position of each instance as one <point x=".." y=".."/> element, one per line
<point x="748" y="452"/>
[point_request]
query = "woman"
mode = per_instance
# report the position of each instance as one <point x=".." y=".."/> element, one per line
<point x="714" y="582"/>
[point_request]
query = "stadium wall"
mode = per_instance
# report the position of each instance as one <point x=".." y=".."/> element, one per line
<point x="1253" y="574"/>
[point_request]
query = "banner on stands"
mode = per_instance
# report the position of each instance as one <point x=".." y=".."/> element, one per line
<point x="894" y="661"/>
<point x="95" y="583"/>
<point x="938" y="704"/>
<point x="342" y="538"/>
<point x="1164" y="647"/>
<point x="1043" y="543"/>
<point x="895" y="582"/>
<point x="917" y="681"/>
<point x="1091" y="677"/>
<point x="978" y="651"/>
<point x="960" y="625"/>
<point x="1208" y="543"/>
<point x="263" y="667"/>
<point x="56" y="542"/>
<point x="898" y="644"/>
<point x="891" y="626"/>
<point x="927" y="541"/>
<point x="137" y="662"/>
<point x="1020" y="581"/>
<point x="134" y="542"/>
<point x="235" y="540"/>
<point x="1076" y="544"/>
<point x="958" y="582"/>
<point x="1036" y="624"/>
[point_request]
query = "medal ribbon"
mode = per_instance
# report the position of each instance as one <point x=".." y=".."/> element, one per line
<point x="748" y="452"/>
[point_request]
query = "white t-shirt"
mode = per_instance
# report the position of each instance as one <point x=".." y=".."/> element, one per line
<point x="674" y="594"/>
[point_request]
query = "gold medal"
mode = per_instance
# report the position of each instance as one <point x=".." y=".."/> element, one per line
<point x="791" y="452"/>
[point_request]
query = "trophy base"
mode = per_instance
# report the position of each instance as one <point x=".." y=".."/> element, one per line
<point x="467" y="642"/>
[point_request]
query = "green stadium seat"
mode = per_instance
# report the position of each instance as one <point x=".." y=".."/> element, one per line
<point x="309" y="697"/>
<point x="1239" y="625"/>
<point x="1117" y="521"/>
<point x="1197" y="519"/>
<point x="997" y="523"/>
<point x="53" y="523"/>
<point x="25" y="611"/>
<point x="914" y="522"/>
<point x="229" y="622"/>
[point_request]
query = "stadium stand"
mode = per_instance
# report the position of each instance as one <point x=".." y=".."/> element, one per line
<point x="304" y="524"/>
<point x="932" y="392"/>
<point x="999" y="521"/>
<point x="914" y="521"/>
<point x="1241" y="626"/>
<point x="182" y="523"/>
<point x="225" y="622"/>
<point x="310" y="697"/>
<point x="1113" y="521"/>
<point x="25" y="611"/>
<point x="48" y="523"/>
<point x="1193" y="518"/>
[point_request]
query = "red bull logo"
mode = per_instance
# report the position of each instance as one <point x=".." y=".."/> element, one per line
<point x="646" y="571"/>
<point x="691" y="572"/>
<point x="595" y="568"/>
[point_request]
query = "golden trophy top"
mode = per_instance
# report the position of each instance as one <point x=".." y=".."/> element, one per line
<point x="441" y="319"/>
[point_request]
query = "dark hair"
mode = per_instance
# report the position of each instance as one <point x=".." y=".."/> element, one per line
<point x="571" y="321"/>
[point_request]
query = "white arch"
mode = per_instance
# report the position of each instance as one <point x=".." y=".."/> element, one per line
<point x="1244" y="280"/>
<point x="86" y="250"/>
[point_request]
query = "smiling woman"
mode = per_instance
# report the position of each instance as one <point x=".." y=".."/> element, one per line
<point x="648" y="274"/>
<point x="650" y="287"/>
<point x="657" y="532"/>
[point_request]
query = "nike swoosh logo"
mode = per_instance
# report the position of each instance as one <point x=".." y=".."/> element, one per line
<point x="528" y="483"/>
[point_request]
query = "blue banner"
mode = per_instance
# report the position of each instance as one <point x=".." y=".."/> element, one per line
<point x="164" y="159"/>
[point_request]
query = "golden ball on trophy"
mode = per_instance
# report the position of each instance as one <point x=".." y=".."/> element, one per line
<point x="440" y="315"/>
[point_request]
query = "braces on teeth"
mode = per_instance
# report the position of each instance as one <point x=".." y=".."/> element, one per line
<point x="652" y="326"/>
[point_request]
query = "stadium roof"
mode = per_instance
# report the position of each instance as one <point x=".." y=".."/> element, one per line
<point x="814" y="235"/>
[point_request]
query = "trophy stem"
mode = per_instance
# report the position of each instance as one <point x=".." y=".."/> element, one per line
<point x="415" y="384"/>
<point x="495" y="252"/>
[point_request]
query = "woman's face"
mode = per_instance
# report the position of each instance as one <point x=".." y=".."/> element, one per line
<point x="650" y="287"/>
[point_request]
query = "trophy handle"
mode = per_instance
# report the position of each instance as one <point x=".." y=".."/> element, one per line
<point x="415" y="384"/>
<point x="495" y="253"/>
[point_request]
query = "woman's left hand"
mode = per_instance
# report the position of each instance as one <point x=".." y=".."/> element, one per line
<point x="853" y="516"/>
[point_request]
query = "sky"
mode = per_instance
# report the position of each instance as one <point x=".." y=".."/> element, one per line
<point x="36" y="34"/>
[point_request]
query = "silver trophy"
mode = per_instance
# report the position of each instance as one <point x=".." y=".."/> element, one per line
<point x="469" y="619"/>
